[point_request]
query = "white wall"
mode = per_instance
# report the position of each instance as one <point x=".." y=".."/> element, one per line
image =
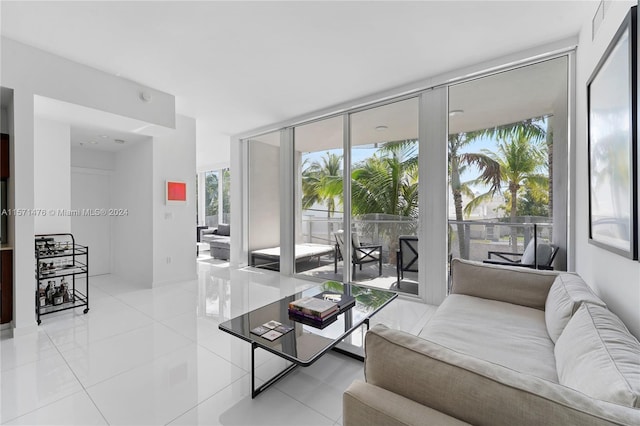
<point x="58" y="78"/>
<point x="614" y="278"/>
<point x="52" y="174"/>
<point x="174" y="226"/>
<point x="91" y="189"/>
<point x="54" y="77"/>
<point x="91" y="174"/>
<point x="92" y="159"/>
<point x="132" y="235"/>
<point x="264" y="196"/>
<point x="212" y="155"/>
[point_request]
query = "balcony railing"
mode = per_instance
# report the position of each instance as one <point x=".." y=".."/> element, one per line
<point x="478" y="237"/>
<point x="472" y="240"/>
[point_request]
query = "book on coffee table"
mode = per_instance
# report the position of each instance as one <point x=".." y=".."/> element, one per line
<point x="313" y="322"/>
<point x="343" y="301"/>
<point x="313" y="307"/>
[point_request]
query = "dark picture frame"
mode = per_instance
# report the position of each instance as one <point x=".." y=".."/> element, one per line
<point x="612" y="118"/>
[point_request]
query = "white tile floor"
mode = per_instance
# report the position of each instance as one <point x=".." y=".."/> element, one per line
<point x="157" y="357"/>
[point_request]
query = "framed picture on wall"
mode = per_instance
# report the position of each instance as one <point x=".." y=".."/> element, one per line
<point x="612" y="135"/>
<point x="176" y="192"/>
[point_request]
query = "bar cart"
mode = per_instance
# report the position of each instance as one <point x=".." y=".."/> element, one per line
<point x="61" y="265"/>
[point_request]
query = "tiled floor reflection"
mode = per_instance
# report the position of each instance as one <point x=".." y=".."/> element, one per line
<point x="156" y="356"/>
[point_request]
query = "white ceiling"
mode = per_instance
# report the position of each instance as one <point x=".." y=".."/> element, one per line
<point x="93" y="129"/>
<point x="236" y="66"/>
<point x="526" y="92"/>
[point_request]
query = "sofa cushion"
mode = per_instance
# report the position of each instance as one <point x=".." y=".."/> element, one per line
<point x="476" y="391"/>
<point x="389" y="408"/>
<point x="596" y="355"/>
<point x="566" y="294"/>
<point x="510" y="335"/>
<point x="511" y="284"/>
<point x="221" y="242"/>
<point x="544" y="253"/>
<point x="224" y="229"/>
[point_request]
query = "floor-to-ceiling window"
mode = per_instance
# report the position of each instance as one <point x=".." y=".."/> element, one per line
<point x="211" y="204"/>
<point x="384" y="195"/>
<point x="225" y="196"/>
<point x="501" y="154"/>
<point x="264" y="201"/>
<point x="506" y="131"/>
<point x="318" y="200"/>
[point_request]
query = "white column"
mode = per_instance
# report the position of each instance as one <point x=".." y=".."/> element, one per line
<point x="24" y="247"/>
<point x="239" y="220"/>
<point x="570" y="189"/>
<point x="287" y="246"/>
<point x="432" y="223"/>
<point x="346" y="204"/>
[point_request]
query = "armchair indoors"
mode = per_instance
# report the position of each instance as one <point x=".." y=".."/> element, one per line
<point x="360" y="254"/>
<point x="538" y="256"/>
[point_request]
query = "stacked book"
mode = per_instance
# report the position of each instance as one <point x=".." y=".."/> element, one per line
<point x="313" y="309"/>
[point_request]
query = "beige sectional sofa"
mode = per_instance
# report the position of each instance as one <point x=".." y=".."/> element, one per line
<point x="508" y="346"/>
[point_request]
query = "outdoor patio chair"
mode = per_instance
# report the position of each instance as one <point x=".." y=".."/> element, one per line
<point x="360" y="254"/>
<point x="407" y="255"/>
<point x="545" y="253"/>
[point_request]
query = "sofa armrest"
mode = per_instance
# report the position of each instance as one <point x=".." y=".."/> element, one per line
<point x="477" y="391"/>
<point x="206" y="231"/>
<point x="511" y="284"/>
<point x="365" y="404"/>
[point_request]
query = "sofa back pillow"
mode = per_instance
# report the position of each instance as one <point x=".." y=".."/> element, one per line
<point x="597" y="356"/>
<point x="511" y="284"/>
<point x="223" y="229"/>
<point x="566" y="294"/>
<point x="543" y="253"/>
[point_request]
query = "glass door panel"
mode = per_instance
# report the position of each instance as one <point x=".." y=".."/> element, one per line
<point x="318" y="164"/>
<point x="505" y="133"/>
<point x="211" y="180"/>
<point x="226" y="195"/>
<point x="264" y="201"/>
<point x="384" y="196"/>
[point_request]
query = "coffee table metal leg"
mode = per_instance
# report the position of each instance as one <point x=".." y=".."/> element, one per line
<point x="257" y="391"/>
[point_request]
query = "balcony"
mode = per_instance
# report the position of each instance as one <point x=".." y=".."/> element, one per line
<point x="470" y="240"/>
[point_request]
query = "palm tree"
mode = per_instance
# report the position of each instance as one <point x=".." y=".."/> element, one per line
<point x="387" y="183"/>
<point x="534" y="130"/>
<point x="458" y="162"/>
<point x="322" y="183"/>
<point x="520" y="161"/>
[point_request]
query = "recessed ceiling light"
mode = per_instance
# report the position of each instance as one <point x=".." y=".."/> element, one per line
<point x="455" y="112"/>
<point x="381" y="128"/>
<point x="93" y="142"/>
<point x="120" y="141"/>
<point x="104" y="136"/>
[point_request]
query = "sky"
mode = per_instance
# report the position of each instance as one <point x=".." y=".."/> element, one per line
<point x="360" y="154"/>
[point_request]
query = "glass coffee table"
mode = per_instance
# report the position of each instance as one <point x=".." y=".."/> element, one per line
<point x="303" y="342"/>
